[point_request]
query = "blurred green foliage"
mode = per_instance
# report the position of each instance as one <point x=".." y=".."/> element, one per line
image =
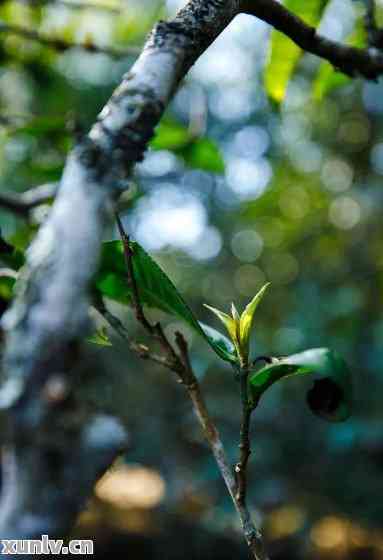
<point x="290" y="194"/>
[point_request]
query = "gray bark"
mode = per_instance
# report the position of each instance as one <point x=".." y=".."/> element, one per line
<point x="44" y="487"/>
<point x="52" y="456"/>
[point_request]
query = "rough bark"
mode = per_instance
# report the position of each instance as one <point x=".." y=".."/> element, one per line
<point x="43" y="486"/>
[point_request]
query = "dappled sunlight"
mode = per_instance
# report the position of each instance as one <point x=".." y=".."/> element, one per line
<point x="125" y="487"/>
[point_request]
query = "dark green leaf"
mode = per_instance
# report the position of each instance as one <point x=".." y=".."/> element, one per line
<point x="14" y="260"/>
<point x="155" y="290"/>
<point x="204" y="154"/>
<point x="9" y="255"/>
<point x="7" y="283"/>
<point x="218" y="340"/>
<point x="331" y="394"/>
<point x="5" y="248"/>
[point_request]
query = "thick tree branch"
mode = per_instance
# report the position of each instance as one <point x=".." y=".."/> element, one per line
<point x="23" y="203"/>
<point x="350" y="60"/>
<point x="50" y="312"/>
<point x="46" y="484"/>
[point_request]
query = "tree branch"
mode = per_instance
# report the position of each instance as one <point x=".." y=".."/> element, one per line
<point x="140" y="349"/>
<point x="181" y="365"/>
<point x="23" y="203"/>
<point x="62" y="45"/>
<point x="252" y="535"/>
<point x="349" y="60"/>
<point x="50" y="312"/>
<point x="244" y="443"/>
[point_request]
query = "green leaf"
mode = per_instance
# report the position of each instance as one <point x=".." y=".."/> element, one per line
<point x="100" y="337"/>
<point x="9" y="255"/>
<point x="155" y="290"/>
<point x="327" y="79"/>
<point x="204" y="154"/>
<point x="331" y="395"/>
<point x="14" y="259"/>
<point x="284" y="54"/>
<point x="41" y="126"/>
<point x="218" y="340"/>
<point x="197" y="152"/>
<point x="229" y="322"/>
<point x="5" y="247"/>
<point x="170" y="136"/>
<point x="7" y="282"/>
<point x="247" y="318"/>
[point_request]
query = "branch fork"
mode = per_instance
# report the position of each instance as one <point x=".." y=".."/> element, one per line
<point x="180" y="364"/>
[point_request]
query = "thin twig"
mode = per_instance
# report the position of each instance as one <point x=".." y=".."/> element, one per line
<point x="62" y="45"/>
<point x="140" y="316"/>
<point x="156" y="329"/>
<point x="140" y="349"/>
<point x="182" y="366"/>
<point x="244" y="443"/>
<point x="23" y="203"/>
<point x="187" y="377"/>
<point x="252" y="535"/>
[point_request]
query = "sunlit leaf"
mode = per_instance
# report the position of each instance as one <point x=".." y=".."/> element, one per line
<point x="234" y="313"/>
<point x="328" y="78"/>
<point x="155" y="290"/>
<point x="100" y="337"/>
<point x="219" y="341"/>
<point x="247" y="318"/>
<point x="284" y="54"/>
<point x="170" y="135"/>
<point x="331" y="394"/>
<point x="229" y="322"/>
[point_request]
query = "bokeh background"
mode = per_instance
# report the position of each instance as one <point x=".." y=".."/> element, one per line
<point x="242" y="185"/>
